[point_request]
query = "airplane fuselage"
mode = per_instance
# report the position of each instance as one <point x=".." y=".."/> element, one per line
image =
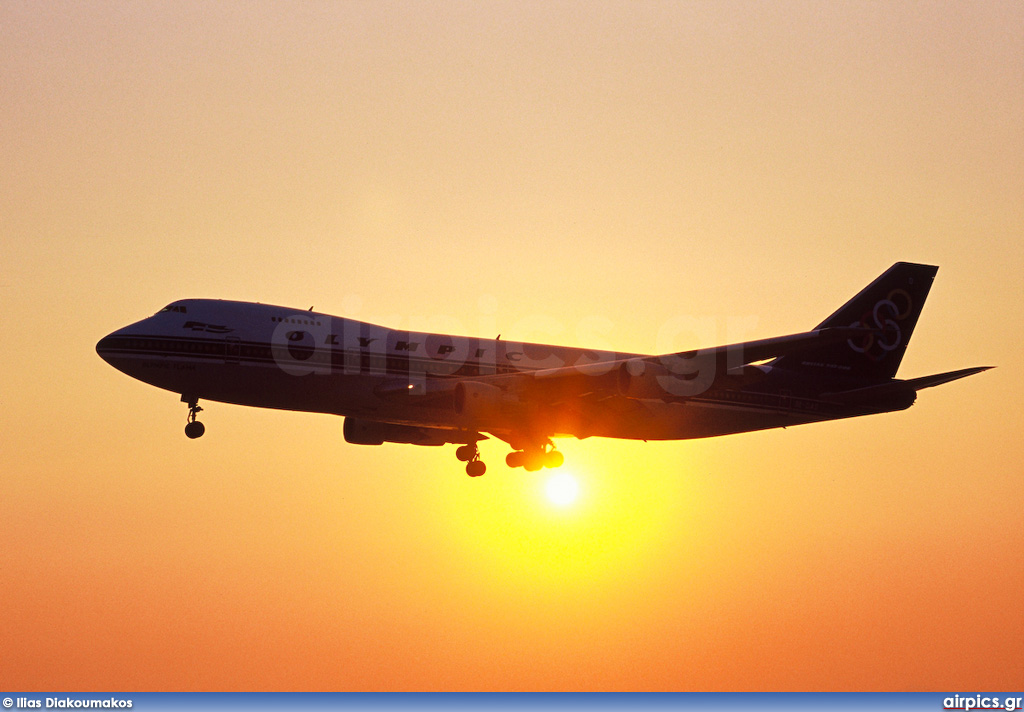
<point x="274" y="357"/>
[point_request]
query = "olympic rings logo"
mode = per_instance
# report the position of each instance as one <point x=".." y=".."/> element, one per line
<point x="884" y="318"/>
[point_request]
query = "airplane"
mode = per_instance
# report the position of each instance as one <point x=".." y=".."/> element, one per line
<point x="435" y="389"/>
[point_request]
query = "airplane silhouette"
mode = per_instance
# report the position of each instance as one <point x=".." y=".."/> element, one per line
<point x="432" y="389"/>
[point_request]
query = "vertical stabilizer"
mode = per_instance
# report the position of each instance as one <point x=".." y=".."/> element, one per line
<point x="890" y="307"/>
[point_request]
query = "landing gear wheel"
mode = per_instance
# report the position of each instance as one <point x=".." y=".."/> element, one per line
<point x="534" y="458"/>
<point x="533" y="461"/>
<point x="470" y="454"/>
<point x="553" y="459"/>
<point x="193" y="429"/>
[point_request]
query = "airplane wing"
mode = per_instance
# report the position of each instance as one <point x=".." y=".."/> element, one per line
<point x="534" y="405"/>
<point x="677" y="375"/>
<point x="505" y="404"/>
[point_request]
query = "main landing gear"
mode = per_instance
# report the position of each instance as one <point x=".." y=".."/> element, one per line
<point x="193" y="429"/>
<point x="533" y="459"/>
<point x="470" y="454"/>
<point x="530" y="458"/>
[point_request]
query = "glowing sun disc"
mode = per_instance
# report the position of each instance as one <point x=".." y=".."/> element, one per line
<point x="562" y="489"/>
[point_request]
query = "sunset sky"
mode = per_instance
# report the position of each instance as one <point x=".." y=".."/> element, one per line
<point x="638" y="176"/>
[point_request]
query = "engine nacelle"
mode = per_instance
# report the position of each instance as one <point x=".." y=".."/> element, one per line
<point x="372" y="432"/>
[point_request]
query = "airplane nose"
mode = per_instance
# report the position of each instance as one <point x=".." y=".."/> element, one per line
<point x="118" y="345"/>
<point x="110" y="344"/>
<point x="104" y="346"/>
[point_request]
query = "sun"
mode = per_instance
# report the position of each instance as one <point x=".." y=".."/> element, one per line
<point x="562" y="489"/>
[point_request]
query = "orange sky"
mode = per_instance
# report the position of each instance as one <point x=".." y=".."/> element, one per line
<point x="637" y="176"/>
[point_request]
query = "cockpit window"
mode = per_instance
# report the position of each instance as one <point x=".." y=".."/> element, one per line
<point x="173" y="308"/>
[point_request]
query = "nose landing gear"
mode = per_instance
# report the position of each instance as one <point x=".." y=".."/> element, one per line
<point x="193" y="428"/>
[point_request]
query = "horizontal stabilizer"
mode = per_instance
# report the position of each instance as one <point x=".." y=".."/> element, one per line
<point x="897" y="387"/>
<point x="939" y="378"/>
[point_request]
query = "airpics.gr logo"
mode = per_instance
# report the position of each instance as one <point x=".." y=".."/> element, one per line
<point x="884" y="319"/>
<point x="979" y="702"/>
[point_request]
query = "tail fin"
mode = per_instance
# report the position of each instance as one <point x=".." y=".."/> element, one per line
<point x="890" y="305"/>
